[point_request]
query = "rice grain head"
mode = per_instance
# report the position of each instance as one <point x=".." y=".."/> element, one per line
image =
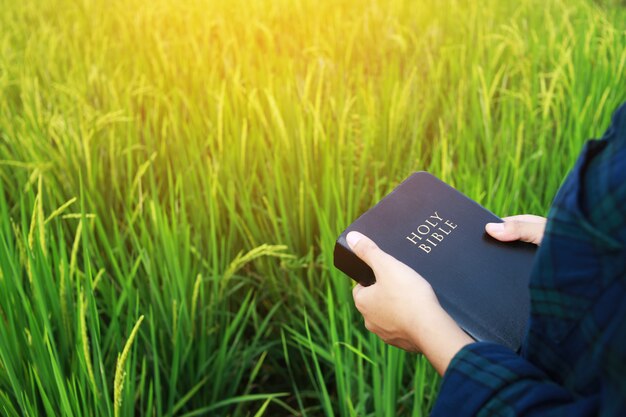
<point x="118" y="383"/>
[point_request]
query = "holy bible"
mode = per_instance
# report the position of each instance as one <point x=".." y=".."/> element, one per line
<point x="440" y="233"/>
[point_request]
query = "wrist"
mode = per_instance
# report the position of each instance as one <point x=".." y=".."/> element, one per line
<point x="438" y="337"/>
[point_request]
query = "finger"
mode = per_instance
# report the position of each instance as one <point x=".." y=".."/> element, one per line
<point x="356" y="289"/>
<point x="362" y="297"/>
<point x="516" y="230"/>
<point x="369" y="326"/>
<point x="529" y="218"/>
<point x="368" y="251"/>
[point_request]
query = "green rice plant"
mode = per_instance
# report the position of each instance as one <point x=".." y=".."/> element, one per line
<point x="192" y="162"/>
<point x="51" y="306"/>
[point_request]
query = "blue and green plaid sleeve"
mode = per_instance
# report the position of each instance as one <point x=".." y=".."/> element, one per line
<point x="486" y="379"/>
<point x="573" y="359"/>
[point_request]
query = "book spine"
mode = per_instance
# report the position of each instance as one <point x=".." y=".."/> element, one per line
<point x="352" y="265"/>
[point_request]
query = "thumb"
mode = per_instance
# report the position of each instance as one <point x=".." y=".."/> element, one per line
<point x="512" y="230"/>
<point x="367" y="250"/>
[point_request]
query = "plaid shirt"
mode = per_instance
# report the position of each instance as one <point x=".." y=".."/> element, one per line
<point x="573" y="359"/>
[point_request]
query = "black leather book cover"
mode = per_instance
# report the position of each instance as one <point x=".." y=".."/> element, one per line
<point x="440" y="233"/>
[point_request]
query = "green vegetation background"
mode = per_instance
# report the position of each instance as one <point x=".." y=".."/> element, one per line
<point x="173" y="176"/>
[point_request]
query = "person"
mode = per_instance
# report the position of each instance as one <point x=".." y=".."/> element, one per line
<point x="573" y="358"/>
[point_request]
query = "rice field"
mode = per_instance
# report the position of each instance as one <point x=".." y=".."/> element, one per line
<point x="173" y="176"/>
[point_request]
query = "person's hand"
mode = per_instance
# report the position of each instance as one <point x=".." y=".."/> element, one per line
<point x="393" y="305"/>
<point x="402" y="308"/>
<point x="524" y="227"/>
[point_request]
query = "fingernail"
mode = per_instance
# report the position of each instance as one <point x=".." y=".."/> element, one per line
<point x="352" y="238"/>
<point x="495" y="227"/>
